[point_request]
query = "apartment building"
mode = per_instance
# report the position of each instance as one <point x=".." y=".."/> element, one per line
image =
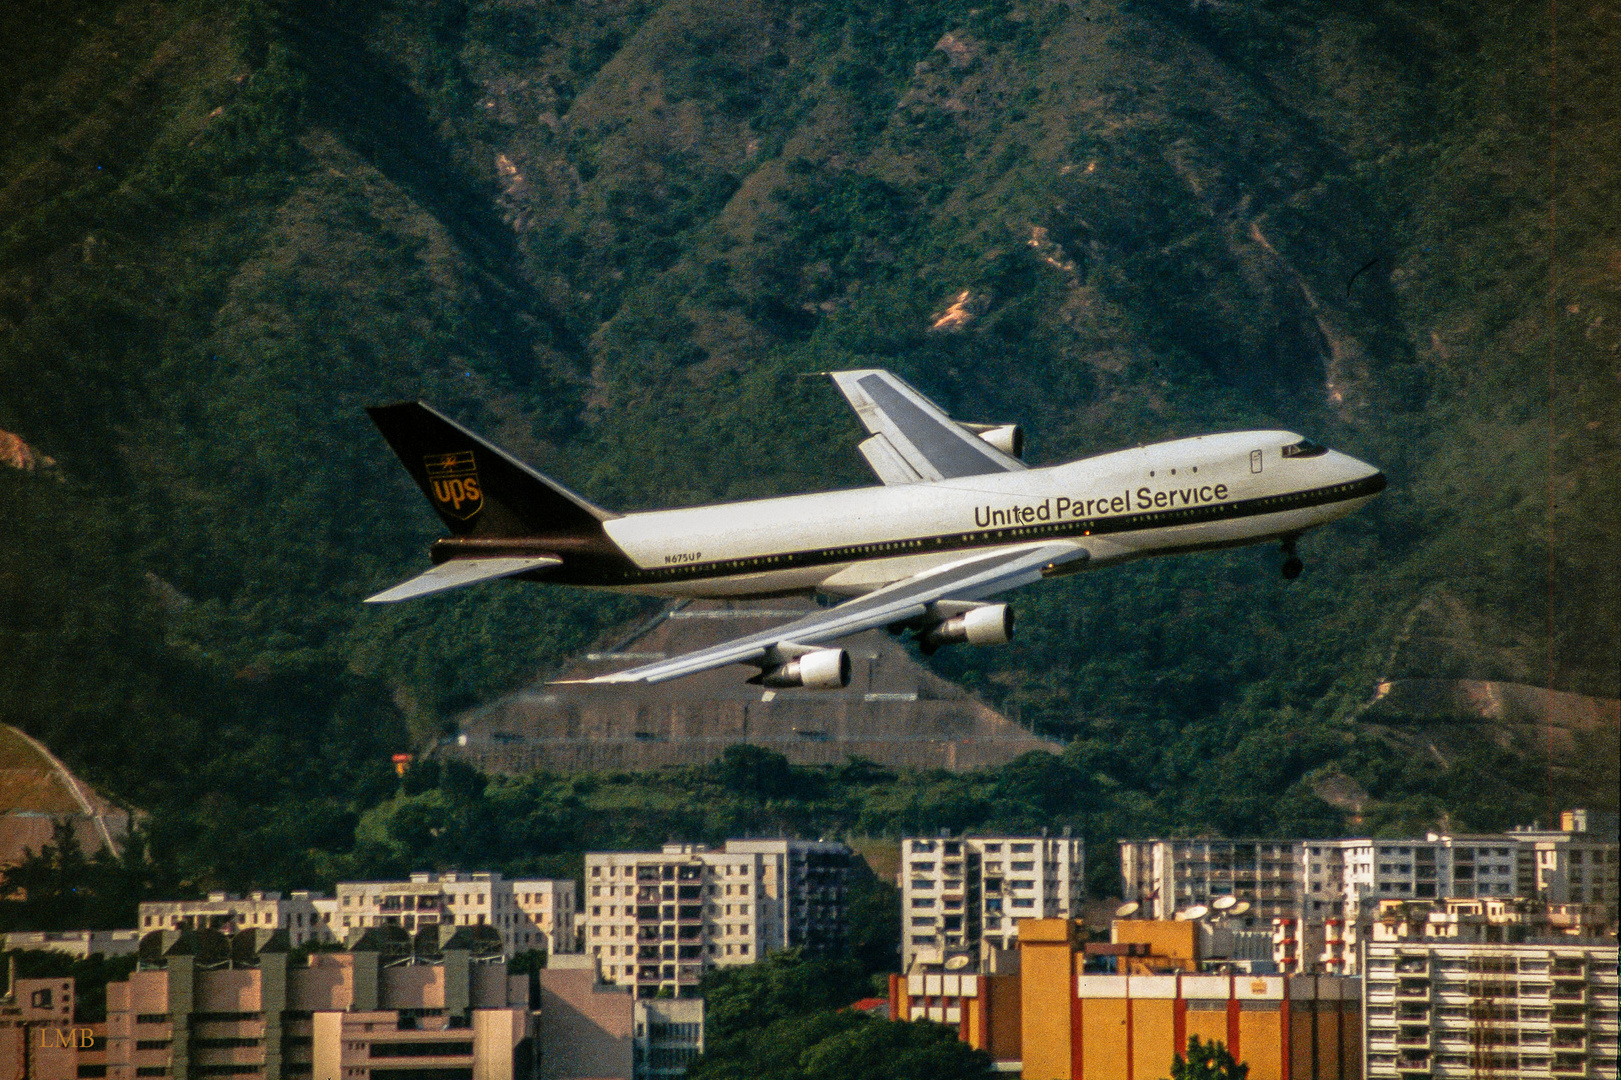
<point x="1342" y="878"/>
<point x="306" y="916"/>
<point x="1340" y="882"/>
<point x="659" y="920"/>
<point x="1170" y="876"/>
<point x="204" y="1005"/>
<point x="965" y="896"/>
<point x="1576" y="864"/>
<point x="1534" y="1009"/>
<point x="39" y="1039"/>
<point x="528" y="914"/>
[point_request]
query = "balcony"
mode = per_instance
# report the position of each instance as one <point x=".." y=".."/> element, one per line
<point x="1568" y="991"/>
<point x="1412" y="988"/>
<point x="1568" y="1016"/>
<point x="1413" y="1036"/>
<point x="1568" y="1065"/>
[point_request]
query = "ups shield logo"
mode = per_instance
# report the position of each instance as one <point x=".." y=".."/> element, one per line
<point x="453" y="484"/>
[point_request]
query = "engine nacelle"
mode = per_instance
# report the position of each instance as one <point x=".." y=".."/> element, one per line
<point x="989" y="624"/>
<point x="1008" y="438"/>
<point x="820" y="669"/>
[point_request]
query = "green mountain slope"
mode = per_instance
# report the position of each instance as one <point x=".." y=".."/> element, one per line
<point x="615" y="236"/>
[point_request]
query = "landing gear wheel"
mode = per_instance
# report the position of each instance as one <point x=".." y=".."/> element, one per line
<point x="1292" y="567"/>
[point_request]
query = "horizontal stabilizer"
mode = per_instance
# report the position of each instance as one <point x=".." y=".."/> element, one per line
<point x="458" y="572"/>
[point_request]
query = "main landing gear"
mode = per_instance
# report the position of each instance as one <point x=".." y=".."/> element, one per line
<point x="1291" y="562"/>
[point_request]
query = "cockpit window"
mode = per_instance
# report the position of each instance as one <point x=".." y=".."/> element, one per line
<point x="1304" y="448"/>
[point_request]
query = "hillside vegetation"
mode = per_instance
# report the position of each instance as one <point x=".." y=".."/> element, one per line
<point x="616" y="236"/>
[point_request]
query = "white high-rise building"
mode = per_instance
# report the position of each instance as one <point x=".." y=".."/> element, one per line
<point x="659" y="919"/>
<point x="1345" y="878"/>
<point x="966" y="895"/>
<point x="1168" y="876"/>
<point x="1471" y="1009"/>
<point x="1318" y="880"/>
<point x="1575" y="864"/>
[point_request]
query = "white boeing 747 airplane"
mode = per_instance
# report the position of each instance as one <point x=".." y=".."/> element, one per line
<point x="960" y="519"/>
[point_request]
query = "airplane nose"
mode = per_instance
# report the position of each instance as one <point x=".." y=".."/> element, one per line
<point x="1367" y="477"/>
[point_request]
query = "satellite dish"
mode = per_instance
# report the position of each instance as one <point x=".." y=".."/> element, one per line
<point x="1239" y="908"/>
<point x="956" y="963"/>
<point x="1126" y="911"/>
<point x="1222" y="903"/>
<point x="1197" y="911"/>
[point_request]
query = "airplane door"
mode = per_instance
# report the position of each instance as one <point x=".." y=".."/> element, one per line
<point x="1255" y="461"/>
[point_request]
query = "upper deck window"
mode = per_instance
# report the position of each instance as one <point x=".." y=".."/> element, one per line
<point x="1304" y="448"/>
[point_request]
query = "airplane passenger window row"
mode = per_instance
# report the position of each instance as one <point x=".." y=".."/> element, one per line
<point x="1085" y="528"/>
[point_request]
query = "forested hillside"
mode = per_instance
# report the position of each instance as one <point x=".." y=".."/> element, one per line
<point x="616" y="235"/>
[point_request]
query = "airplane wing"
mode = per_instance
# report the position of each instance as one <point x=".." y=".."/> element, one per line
<point x="972" y="578"/>
<point x="913" y="440"/>
<point x="458" y="572"/>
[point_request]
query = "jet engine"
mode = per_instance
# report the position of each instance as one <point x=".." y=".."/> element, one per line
<point x="819" y="669"/>
<point x="988" y="624"/>
<point x="1008" y="438"/>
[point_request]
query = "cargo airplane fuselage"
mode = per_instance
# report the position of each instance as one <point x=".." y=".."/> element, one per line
<point x="1187" y="495"/>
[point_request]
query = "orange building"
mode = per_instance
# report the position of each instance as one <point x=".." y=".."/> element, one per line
<point x="1072" y="1025"/>
<point x="39" y="1039"/>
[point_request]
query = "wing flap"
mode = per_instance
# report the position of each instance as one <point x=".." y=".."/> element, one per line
<point x="458" y="572"/>
<point x="887" y="462"/>
<point x="972" y="578"/>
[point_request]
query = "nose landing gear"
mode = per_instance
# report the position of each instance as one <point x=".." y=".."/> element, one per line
<point x="1291" y="562"/>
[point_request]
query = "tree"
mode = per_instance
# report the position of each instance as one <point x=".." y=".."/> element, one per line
<point x="60" y="888"/>
<point x="739" y="1001"/>
<point x="1207" y="1061"/>
<point x="894" y="1050"/>
<point x="843" y="1045"/>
